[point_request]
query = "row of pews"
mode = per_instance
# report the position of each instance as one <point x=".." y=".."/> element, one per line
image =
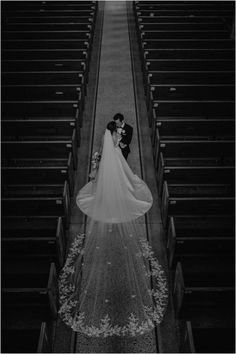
<point x="187" y="55"/>
<point x="46" y="49"/>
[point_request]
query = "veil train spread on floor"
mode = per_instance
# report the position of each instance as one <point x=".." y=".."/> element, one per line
<point x="111" y="283"/>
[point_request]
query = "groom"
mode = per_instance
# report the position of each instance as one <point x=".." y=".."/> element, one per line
<point x="126" y="132"/>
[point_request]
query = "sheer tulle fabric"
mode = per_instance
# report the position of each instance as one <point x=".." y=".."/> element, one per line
<point x="105" y="285"/>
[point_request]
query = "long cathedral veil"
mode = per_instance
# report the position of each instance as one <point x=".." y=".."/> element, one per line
<point x="105" y="285"/>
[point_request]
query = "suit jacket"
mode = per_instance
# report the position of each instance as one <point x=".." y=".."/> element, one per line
<point x="127" y="135"/>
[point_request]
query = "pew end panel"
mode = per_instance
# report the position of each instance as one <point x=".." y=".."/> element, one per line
<point x="44" y="343"/>
<point x="171" y="241"/>
<point x="179" y="289"/>
<point x="53" y="290"/>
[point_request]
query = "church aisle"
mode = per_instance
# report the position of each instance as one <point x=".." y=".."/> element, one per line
<point x="116" y="94"/>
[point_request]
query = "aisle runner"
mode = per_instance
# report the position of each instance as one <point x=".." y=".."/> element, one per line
<point x="116" y="94"/>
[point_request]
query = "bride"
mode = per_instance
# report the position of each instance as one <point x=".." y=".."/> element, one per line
<point x="111" y="283"/>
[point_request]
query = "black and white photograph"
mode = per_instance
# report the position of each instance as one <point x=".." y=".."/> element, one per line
<point x="118" y="176"/>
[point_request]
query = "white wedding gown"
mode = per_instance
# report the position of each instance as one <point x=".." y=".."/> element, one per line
<point x="105" y="285"/>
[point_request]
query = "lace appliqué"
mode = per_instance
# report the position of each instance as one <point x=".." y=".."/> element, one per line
<point x="133" y="326"/>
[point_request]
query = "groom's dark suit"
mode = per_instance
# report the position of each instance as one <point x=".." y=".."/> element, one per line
<point x="127" y="133"/>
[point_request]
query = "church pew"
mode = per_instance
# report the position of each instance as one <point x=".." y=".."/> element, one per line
<point x="206" y="5"/>
<point x="40" y="108"/>
<point x="50" y="26"/>
<point x="181" y="26"/>
<point x="45" y="92"/>
<point x="184" y="128"/>
<point x="45" y="54"/>
<point x="199" y="241"/>
<point x="47" y="44"/>
<point x="188" y="92"/>
<point x="205" y="294"/>
<point x="188" y="43"/>
<point x="201" y="201"/>
<point x="45" y="11"/>
<point x="194" y="174"/>
<point x="47" y="5"/>
<point x="34" y="227"/>
<point x="191" y="92"/>
<point x="42" y="78"/>
<point x="190" y="77"/>
<point x="56" y="175"/>
<point x="36" y="128"/>
<point x="48" y="247"/>
<point x="189" y="54"/>
<point x="38" y="226"/>
<point x="13" y="33"/>
<point x="183" y="34"/>
<point x="186" y="65"/>
<point x="44" y="65"/>
<point x="222" y="12"/>
<point x="177" y="19"/>
<point x="215" y="340"/>
<point x="193" y="149"/>
<point x="196" y="107"/>
<point x="40" y="149"/>
<point x="36" y="293"/>
<point x="54" y="18"/>
<point x="36" y="200"/>
<point x="201" y="226"/>
<point x="26" y="340"/>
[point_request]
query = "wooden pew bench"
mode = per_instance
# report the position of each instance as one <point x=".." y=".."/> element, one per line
<point x="204" y="292"/>
<point x="51" y="245"/>
<point x="195" y="107"/>
<point x="40" y="173"/>
<point x="194" y="174"/>
<point x="188" y="128"/>
<point x="173" y="149"/>
<point x="27" y="340"/>
<point x="193" y="5"/>
<point x="187" y="43"/>
<point x="188" y="92"/>
<point x="41" y="149"/>
<point x="181" y="26"/>
<point x="42" y="78"/>
<point x="29" y="299"/>
<point x="36" y="200"/>
<point x="46" y="92"/>
<point x="45" y="54"/>
<point x="22" y="33"/>
<point x="196" y="200"/>
<point x="44" y="65"/>
<point x="45" y="5"/>
<point x="47" y="44"/>
<point x="183" y="34"/>
<point x="189" y="54"/>
<point x="31" y="129"/>
<point x="222" y="12"/>
<point x="217" y="340"/>
<point x="53" y="19"/>
<point x="198" y="243"/>
<point x="190" y="77"/>
<point x="177" y="19"/>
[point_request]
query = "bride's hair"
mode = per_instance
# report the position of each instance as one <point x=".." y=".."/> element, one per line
<point x="111" y="126"/>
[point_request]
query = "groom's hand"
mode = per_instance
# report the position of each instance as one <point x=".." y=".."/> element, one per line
<point x="122" y="145"/>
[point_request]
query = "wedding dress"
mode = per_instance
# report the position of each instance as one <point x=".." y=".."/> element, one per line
<point x="111" y="283"/>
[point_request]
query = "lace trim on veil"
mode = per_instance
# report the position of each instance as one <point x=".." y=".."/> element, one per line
<point x="133" y="325"/>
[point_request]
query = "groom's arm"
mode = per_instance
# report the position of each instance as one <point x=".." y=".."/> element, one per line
<point x="128" y="137"/>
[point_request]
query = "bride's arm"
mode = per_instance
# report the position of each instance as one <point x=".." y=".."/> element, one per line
<point x="115" y="138"/>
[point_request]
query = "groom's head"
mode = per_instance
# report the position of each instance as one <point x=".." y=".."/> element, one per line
<point x="118" y="118"/>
